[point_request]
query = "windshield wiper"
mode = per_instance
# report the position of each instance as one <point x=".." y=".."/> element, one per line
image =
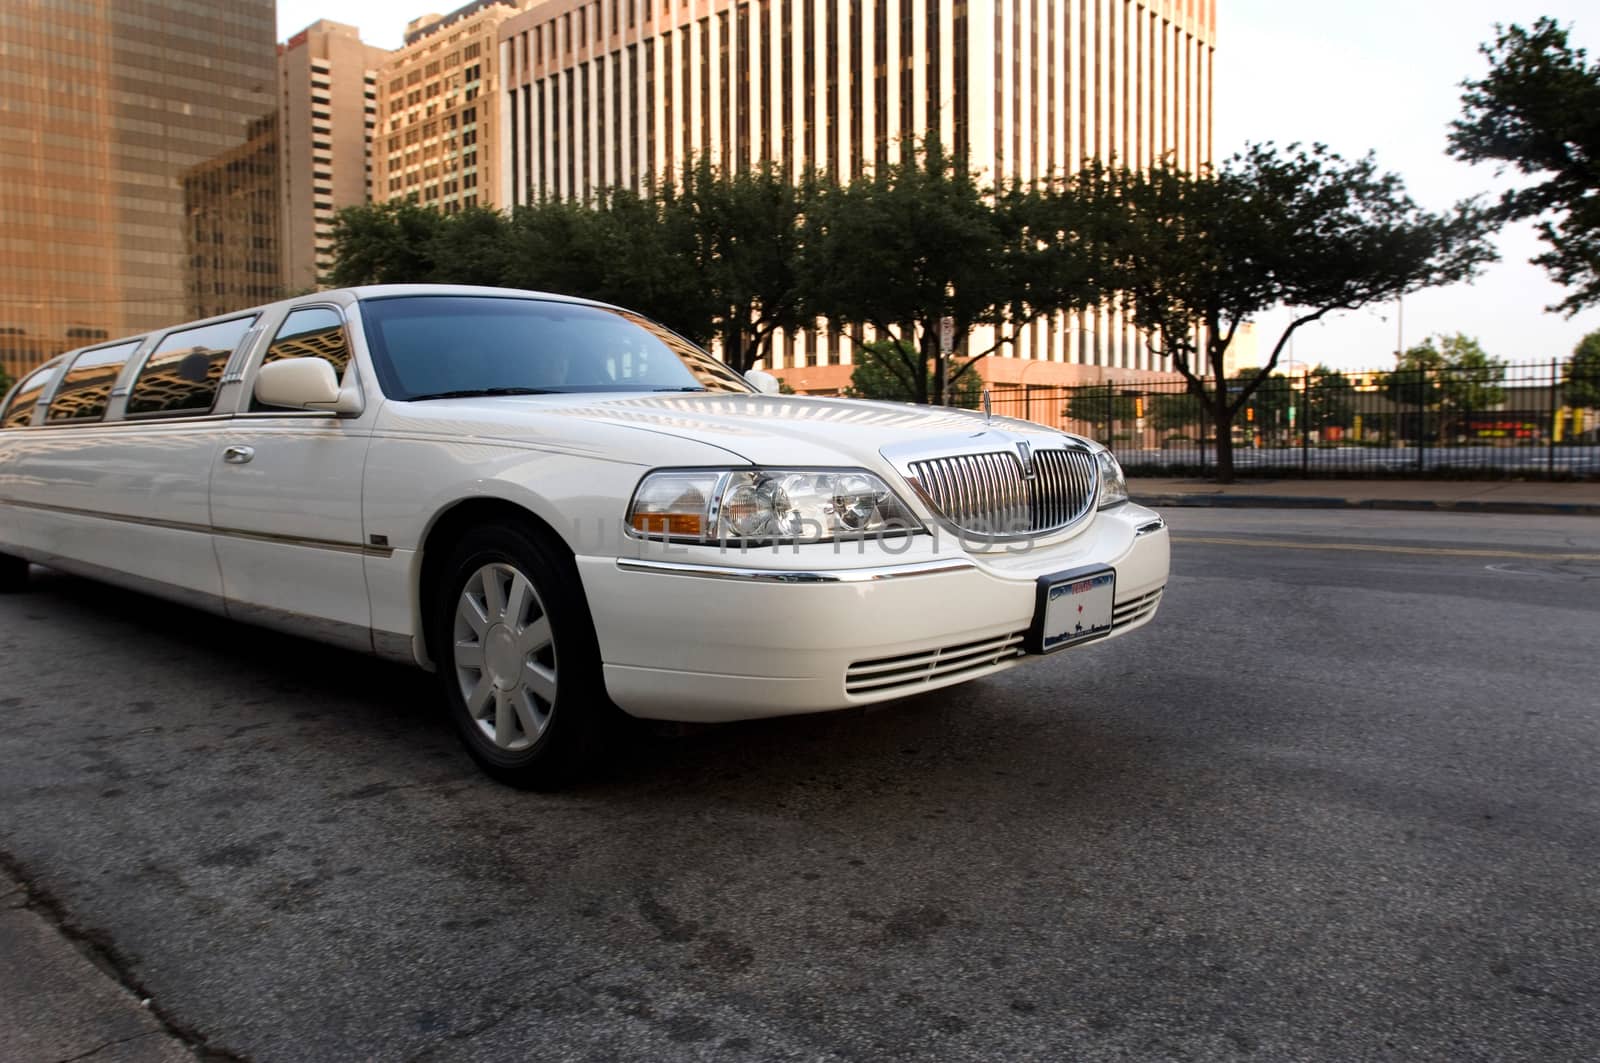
<point x="696" y="388"/>
<point x="468" y="393"/>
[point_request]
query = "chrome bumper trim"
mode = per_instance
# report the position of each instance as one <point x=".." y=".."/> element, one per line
<point x="777" y="575"/>
<point x="1149" y="527"/>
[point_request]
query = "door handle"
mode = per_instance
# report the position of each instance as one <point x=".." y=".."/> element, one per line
<point x="238" y="455"/>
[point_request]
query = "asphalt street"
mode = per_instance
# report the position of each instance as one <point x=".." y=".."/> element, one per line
<point x="1340" y="801"/>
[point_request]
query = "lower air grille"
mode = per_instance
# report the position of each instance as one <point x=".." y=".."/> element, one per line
<point x="1134" y="610"/>
<point x="909" y="671"/>
<point x="992" y="494"/>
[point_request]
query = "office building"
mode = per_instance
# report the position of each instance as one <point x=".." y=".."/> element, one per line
<point x="134" y="147"/>
<point x="610" y="92"/>
<point x="436" y="141"/>
<point x="328" y="112"/>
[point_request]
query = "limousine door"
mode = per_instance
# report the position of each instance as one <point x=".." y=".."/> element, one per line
<point x="286" y="502"/>
<point x="124" y="500"/>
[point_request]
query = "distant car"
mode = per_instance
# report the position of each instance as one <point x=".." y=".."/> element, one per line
<point x="561" y="507"/>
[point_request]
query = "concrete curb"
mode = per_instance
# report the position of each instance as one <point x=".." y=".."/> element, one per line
<point x="1227" y="501"/>
<point x="65" y="994"/>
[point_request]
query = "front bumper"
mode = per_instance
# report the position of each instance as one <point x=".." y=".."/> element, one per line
<point x="694" y="634"/>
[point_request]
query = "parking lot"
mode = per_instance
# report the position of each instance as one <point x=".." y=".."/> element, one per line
<point x="1340" y="801"/>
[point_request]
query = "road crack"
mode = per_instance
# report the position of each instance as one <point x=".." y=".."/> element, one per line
<point x="97" y="1049"/>
<point x="483" y="1027"/>
<point x="103" y="953"/>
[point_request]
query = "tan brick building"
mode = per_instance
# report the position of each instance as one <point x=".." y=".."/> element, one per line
<point x="328" y="113"/>
<point x="436" y="142"/>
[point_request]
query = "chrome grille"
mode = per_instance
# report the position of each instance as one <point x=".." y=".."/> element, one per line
<point x="911" y="671"/>
<point x="987" y="493"/>
<point x="1136" y="610"/>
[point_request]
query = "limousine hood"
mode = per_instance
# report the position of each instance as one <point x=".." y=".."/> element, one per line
<point x="762" y="429"/>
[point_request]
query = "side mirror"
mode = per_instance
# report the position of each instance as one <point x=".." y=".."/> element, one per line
<point x="305" y="384"/>
<point x="764" y="382"/>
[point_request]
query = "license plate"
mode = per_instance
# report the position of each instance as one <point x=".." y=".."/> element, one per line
<point x="1072" y="607"/>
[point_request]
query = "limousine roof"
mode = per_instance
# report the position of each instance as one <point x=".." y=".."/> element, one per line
<point x="386" y="291"/>
<point x="338" y="295"/>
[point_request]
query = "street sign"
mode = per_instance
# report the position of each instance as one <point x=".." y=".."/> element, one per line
<point x="947" y="335"/>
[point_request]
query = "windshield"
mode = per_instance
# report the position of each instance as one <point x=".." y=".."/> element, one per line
<point x="445" y="346"/>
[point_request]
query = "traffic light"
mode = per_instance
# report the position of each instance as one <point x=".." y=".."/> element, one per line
<point x="1138" y="406"/>
<point x="1250" y="413"/>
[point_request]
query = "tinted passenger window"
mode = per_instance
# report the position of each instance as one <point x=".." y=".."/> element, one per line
<point x="315" y="332"/>
<point x="183" y="374"/>
<point x="19" y="414"/>
<point x="86" y="389"/>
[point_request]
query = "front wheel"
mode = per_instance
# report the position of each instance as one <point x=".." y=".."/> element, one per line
<point x="13" y="574"/>
<point x="516" y="651"/>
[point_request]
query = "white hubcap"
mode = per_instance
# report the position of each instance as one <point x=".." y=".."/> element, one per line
<point x="505" y="656"/>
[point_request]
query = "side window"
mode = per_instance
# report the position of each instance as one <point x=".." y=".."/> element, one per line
<point x="19" y="412"/>
<point x="183" y="373"/>
<point x="86" y="388"/>
<point x="312" y="332"/>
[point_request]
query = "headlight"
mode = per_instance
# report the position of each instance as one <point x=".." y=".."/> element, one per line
<point x="766" y="506"/>
<point x="1113" y="485"/>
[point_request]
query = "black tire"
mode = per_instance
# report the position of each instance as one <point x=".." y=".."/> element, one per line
<point x="577" y="724"/>
<point x="13" y="574"/>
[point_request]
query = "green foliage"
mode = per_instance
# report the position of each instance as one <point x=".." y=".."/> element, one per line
<point x="1535" y="111"/>
<point x="1328" y="400"/>
<point x="920" y="240"/>
<point x="1200" y="254"/>
<point x="1270" y="401"/>
<point x="1100" y="407"/>
<point x="469" y="247"/>
<point x="1173" y="412"/>
<point x="743" y="233"/>
<point x="889" y="370"/>
<point x="1452" y="373"/>
<point x="1581" y="385"/>
<point x="384" y="243"/>
<point x="5" y="381"/>
<point x="1443" y="378"/>
<point x="709" y="255"/>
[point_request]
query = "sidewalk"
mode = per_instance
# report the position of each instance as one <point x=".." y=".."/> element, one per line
<point x="1459" y="496"/>
<point x="56" y="1004"/>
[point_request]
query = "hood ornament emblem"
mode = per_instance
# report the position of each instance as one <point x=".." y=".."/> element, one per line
<point x="988" y="410"/>
<point x="1025" y="455"/>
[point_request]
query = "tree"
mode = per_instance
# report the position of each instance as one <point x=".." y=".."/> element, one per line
<point x="879" y="374"/>
<point x="745" y="241"/>
<point x="5" y="381"/>
<point x="1581" y="383"/>
<point x="1452" y="373"/>
<point x="1327" y="400"/>
<point x="1103" y="408"/>
<point x="1202" y="253"/>
<point x="919" y="240"/>
<point x="1175" y="412"/>
<point x="1535" y="111"/>
<point x="1267" y="409"/>
<point x="469" y="247"/>
<point x="384" y="243"/>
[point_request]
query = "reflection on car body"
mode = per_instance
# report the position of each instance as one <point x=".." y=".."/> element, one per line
<point x="565" y="509"/>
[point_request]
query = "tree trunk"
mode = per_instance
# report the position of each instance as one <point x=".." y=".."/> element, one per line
<point x="1224" y="433"/>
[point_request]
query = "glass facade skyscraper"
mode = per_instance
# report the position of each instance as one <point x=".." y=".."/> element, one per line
<point x="138" y="167"/>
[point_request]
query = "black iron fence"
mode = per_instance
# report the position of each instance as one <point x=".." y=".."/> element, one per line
<point x="1519" y="420"/>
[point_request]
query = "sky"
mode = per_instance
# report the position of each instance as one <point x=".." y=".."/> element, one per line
<point x="1357" y="75"/>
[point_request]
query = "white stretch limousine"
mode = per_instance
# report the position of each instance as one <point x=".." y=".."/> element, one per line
<point x="562" y="507"/>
